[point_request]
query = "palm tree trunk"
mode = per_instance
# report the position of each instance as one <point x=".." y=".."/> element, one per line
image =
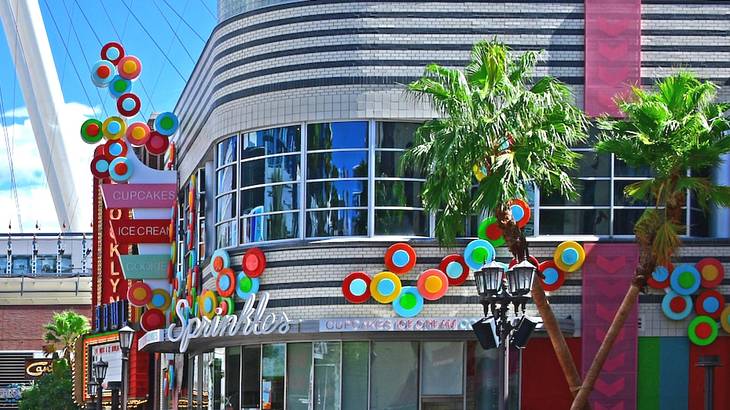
<point x="517" y="245"/>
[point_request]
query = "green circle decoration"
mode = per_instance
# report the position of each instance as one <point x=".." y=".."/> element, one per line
<point x="245" y="284"/>
<point x="408" y="301"/>
<point x="91" y="131"/>
<point x="700" y="322"/>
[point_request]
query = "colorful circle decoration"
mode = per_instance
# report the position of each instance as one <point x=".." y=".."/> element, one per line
<point x="157" y="143"/>
<point x="128" y="104"/>
<point x="91" y="131"/>
<point x="119" y="86"/>
<point x="208" y="304"/>
<point x="725" y="319"/>
<point x="112" y="52"/>
<point x="676" y="306"/>
<point x="409" y="302"/>
<point x="166" y="123"/>
<point x="160" y="300"/>
<point x="520" y="212"/>
<point x="356" y="287"/>
<point x="115" y="149"/>
<point x="432" y="284"/>
<point x="711" y="271"/>
<point x="120" y="169"/>
<point x="479" y="252"/>
<point x="138" y="133"/>
<point x="245" y="286"/>
<point x="685" y="279"/>
<point x="489" y="230"/>
<point x="113" y="128"/>
<point x="400" y="258"/>
<point x="139" y="294"/>
<point x="569" y="256"/>
<point x="385" y="287"/>
<point x="710" y="303"/>
<point x="553" y="277"/>
<point x="226" y="306"/>
<point x="152" y="319"/>
<point x="455" y="268"/>
<point x="220" y="260"/>
<point x="129" y="67"/>
<point x="100" y="167"/>
<point x="102" y="73"/>
<point x="253" y="262"/>
<point x="659" y="279"/>
<point x="225" y="283"/>
<point x="702" y="330"/>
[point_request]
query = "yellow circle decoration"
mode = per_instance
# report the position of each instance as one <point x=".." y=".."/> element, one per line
<point x="114" y="128"/>
<point x="208" y="304"/>
<point x="569" y="256"/>
<point x="160" y="300"/>
<point x="385" y="287"/>
<point x="725" y="319"/>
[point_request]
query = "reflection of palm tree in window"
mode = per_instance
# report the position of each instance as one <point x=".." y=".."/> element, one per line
<point x="277" y="225"/>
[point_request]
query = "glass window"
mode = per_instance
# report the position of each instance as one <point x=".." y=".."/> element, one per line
<point x="270" y="170"/>
<point x="394" y="376"/>
<point x="619" y="199"/>
<point x="388" y="164"/>
<point x="575" y="221"/>
<point x="226" y="206"/>
<point x="442" y="368"/>
<point x="21" y="265"/>
<point x="337" y="135"/>
<point x="298" y="375"/>
<point x="270" y="227"/>
<point x="271" y="141"/>
<point x="398" y="193"/>
<point x="4" y="265"/>
<point x="337" y="222"/>
<point x="482" y="389"/>
<point x="401" y="222"/>
<point x="217" y="398"/>
<point x="624" y="220"/>
<point x="355" y="375"/>
<point x="593" y="164"/>
<point x="226" y="234"/>
<point x="337" y="194"/>
<point x="195" y="382"/>
<point x="250" y="388"/>
<point x="272" y="376"/>
<point x="45" y="264"/>
<point x="327" y="383"/>
<point x="396" y="134"/>
<point x="337" y="164"/>
<point x="227" y="151"/>
<point x="270" y="198"/>
<point x="591" y="193"/>
<point x="226" y="179"/>
<point x="232" y="378"/>
<point x="620" y="169"/>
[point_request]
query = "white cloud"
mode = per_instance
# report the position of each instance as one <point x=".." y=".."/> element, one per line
<point x="34" y="196"/>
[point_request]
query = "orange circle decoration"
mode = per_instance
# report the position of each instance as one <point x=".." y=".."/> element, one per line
<point x="160" y="300"/>
<point x="432" y="284"/>
<point x="139" y="294"/>
<point x="711" y="272"/>
<point x="129" y="67"/>
<point x="553" y="276"/>
<point x="208" y="304"/>
<point x="725" y="319"/>
<point x="520" y="212"/>
<point x="138" y="133"/>
<point x="356" y="287"/>
<point x="710" y="303"/>
<point x="220" y="260"/>
<point x="400" y="258"/>
<point x="225" y="283"/>
<point x="253" y="262"/>
<point x="385" y="287"/>
<point x="152" y="319"/>
<point x="455" y="268"/>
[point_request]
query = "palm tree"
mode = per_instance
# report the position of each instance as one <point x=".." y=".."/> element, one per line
<point x="62" y="331"/>
<point x="679" y="133"/>
<point x="518" y="131"/>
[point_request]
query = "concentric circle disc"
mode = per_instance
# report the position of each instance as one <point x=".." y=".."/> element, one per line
<point x="102" y="73"/>
<point x="112" y="52"/>
<point x="253" y="262"/>
<point x="685" y="279"/>
<point x="115" y="149"/>
<point x="710" y="303"/>
<point x="659" y="279"/>
<point x="478" y="252"/>
<point x="113" y="128"/>
<point x="120" y="169"/>
<point x="208" y="304"/>
<point x="129" y="67"/>
<point x="711" y="272"/>
<point x="100" y="167"/>
<point x="432" y="284"/>
<point x="409" y="302"/>
<point x="400" y="258"/>
<point x="157" y="143"/>
<point x="119" y="86"/>
<point x="152" y="319"/>
<point x="702" y="330"/>
<point x="455" y="268"/>
<point x="226" y="306"/>
<point x="385" y="287"/>
<point x="554" y="277"/>
<point x="489" y="230"/>
<point x="225" y="283"/>
<point x="725" y="319"/>
<point x="220" y="260"/>
<point x="520" y="212"/>
<point x="160" y="300"/>
<point x="676" y="306"/>
<point x="91" y="131"/>
<point x="569" y="256"/>
<point x="166" y="123"/>
<point x="139" y="294"/>
<point x="356" y="287"/>
<point x="138" y="133"/>
<point x="128" y="104"/>
<point x="246" y="286"/>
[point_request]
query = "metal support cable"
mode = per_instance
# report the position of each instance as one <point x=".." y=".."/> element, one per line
<point x="169" y="48"/>
<point x="174" y="32"/>
<point x="11" y="165"/>
<point x="208" y="10"/>
<point x="184" y="21"/>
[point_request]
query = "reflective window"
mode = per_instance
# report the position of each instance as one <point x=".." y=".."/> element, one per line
<point x="388" y="164"/>
<point x="334" y="194"/>
<point x="226" y="234"/>
<point x="226" y="206"/>
<point x="592" y="193"/>
<point x="270" y="142"/>
<point x="268" y="227"/>
<point x="355" y="375"/>
<point x="270" y="170"/>
<point x="337" y="222"/>
<point x="396" y="134"/>
<point x="337" y="135"/>
<point x="398" y="193"/>
<point x="251" y="383"/>
<point x="575" y="221"/>
<point x="232" y="383"/>
<point x="298" y="375"/>
<point x="272" y="376"/>
<point x="394" y="375"/>
<point x="401" y="222"/>
<point x="337" y="164"/>
<point x="227" y="151"/>
<point x="270" y="198"/>
<point x="442" y="368"/>
<point x="482" y="389"/>
<point x="226" y="179"/>
<point x="327" y="382"/>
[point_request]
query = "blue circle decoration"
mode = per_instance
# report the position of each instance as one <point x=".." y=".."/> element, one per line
<point x="224" y="282"/>
<point x="123" y="163"/>
<point x="517" y="212"/>
<point x="454" y="270"/>
<point x="408" y="311"/>
<point x="158" y="300"/>
<point x="551" y="275"/>
<point x="166" y="123"/>
<point x="667" y="309"/>
<point x="116" y="80"/>
<point x="207" y="304"/>
<point x="475" y="245"/>
<point x="711" y="304"/>
<point x="102" y="165"/>
<point x="386" y="286"/>
<point x="661" y="273"/>
<point x="569" y="256"/>
<point x="401" y="258"/>
<point x="115" y="149"/>
<point x="358" y="287"/>
<point x="254" y="286"/>
<point x="679" y="274"/>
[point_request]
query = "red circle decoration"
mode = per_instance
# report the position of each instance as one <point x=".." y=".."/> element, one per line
<point x="112" y="51"/>
<point x="138" y="133"/>
<point x="226" y="306"/>
<point x="225" y="283"/>
<point x="157" y="143"/>
<point x="139" y="294"/>
<point x="253" y="262"/>
<point x="533" y="261"/>
<point x="553" y="276"/>
<point x="659" y="279"/>
<point x="100" y="167"/>
<point x="129" y="67"/>
<point x="128" y="104"/>
<point x="455" y="268"/>
<point x="432" y="284"/>
<point x="711" y="272"/>
<point x="152" y="319"/>
<point x="115" y="149"/>
<point x="710" y="303"/>
<point x="525" y="217"/>
<point x="352" y="287"/>
<point x="400" y="258"/>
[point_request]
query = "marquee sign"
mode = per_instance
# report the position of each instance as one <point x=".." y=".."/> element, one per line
<point x="396" y="324"/>
<point x="132" y="231"/>
<point x="139" y="195"/>
<point x="145" y="266"/>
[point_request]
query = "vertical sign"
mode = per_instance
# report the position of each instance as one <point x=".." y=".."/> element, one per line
<point x="114" y="285"/>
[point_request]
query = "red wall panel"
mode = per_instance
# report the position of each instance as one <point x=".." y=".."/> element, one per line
<point x="543" y="383"/>
<point x="720" y="348"/>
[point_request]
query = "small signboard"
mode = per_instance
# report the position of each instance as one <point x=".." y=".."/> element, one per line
<point x="139" y="195"/>
<point x="35" y="368"/>
<point x="133" y="231"/>
<point x="145" y="266"/>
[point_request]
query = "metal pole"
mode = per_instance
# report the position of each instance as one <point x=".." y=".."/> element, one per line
<point x="125" y="379"/>
<point x="503" y="366"/>
<point x="99" y="398"/>
<point x="709" y="376"/>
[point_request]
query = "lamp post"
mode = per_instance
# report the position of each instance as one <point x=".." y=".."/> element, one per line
<point x="498" y="290"/>
<point x="92" y="393"/>
<point x="98" y="371"/>
<point x="126" y="337"/>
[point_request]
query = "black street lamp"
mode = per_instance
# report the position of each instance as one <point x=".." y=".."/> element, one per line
<point x="498" y="290"/>
<point x="98" y="371"/>
<point x="126" y="337"/>
<point x="92" y="392"/>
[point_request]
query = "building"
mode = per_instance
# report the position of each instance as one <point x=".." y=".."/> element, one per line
<point x="40" y="274"/>
<point x="293" y="122"/>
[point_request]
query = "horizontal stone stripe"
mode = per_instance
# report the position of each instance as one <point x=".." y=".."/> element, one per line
<point x="686" y="2"/>
<point x="686" y="64"/>
<point x="684" y="33"/>
<point x="673" y="15"/>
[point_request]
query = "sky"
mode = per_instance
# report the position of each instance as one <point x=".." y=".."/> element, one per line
<point x="166" y="35"/>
